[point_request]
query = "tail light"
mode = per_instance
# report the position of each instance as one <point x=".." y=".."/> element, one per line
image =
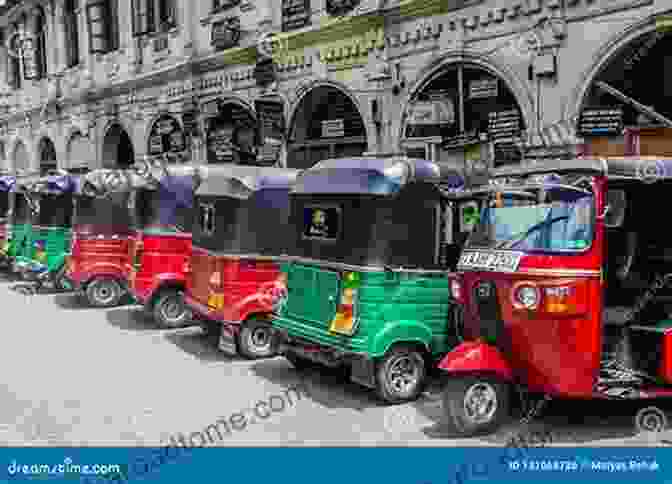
<point x="346" y="321"/>
<point x="139" y="248"/>
<point x="556" y="299"/>
<point x="525" y="295"/>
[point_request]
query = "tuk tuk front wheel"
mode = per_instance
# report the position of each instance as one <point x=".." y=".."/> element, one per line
<point x="103" y="292"/>
<point x="255" y="340"/>
<point x="401" y="374"/>
<point x="170" y="310"/>
<point x="475" y="406"/>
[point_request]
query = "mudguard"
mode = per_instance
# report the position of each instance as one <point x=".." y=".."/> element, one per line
<point x="102" y="270"/>
<point x="400" y="332"/>
<point x="164" y="279"/>
<point x="476" y="357"/>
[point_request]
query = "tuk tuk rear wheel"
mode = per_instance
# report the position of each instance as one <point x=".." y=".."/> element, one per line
<point x="476" y="406"/>
<point x="170" y="310"/>
<point x="103" y="292"/>
<point x="401" y="374"/>
<point x="255" y="340"/>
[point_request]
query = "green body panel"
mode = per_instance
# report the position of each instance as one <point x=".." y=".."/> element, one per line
<point x="27" y="250"/>
<point x="57" y="245"/>
<point x="20" y="233"/>
<point x="392" y="308"/>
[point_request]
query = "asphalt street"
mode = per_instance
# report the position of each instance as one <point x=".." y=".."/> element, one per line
<point x="76" y="376"/>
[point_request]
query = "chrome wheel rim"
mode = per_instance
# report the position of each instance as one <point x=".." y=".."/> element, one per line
<point x="403" y="374"/>
<point x="104" y="292"/>
<point x="173" y="310"/>
<point x="480" y="403"/>
<point x="260" y="338"/>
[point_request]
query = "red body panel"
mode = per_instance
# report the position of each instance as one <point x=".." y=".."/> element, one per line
<point x="245" y="286"/>
<point x="475" y="356"/>
<point x="163" y="260"/>
<point x="93" y="256"/>
<point x="551" y="352"/>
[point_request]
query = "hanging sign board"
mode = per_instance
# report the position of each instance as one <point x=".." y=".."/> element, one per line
<point x="504" y="124"/>
<point x="483" y="88"/>
<point x="601" y="121"/>
<point x="334" y="128"/>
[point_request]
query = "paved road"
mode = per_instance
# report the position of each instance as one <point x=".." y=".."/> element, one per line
<point x="78" y="376"/>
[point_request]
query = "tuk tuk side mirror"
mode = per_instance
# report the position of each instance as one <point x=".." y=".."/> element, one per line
<point x="614" y="210"/>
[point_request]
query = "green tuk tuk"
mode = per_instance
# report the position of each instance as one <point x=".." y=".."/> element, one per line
<point x="6" y="184"/>
<point x="22" y="216"/>
<point x="367" y="276"/>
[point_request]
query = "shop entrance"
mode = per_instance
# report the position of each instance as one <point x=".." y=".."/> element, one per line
<point x="117" y="148"/>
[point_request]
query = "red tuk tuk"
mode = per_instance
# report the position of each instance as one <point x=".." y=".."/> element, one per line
<point x="561" y="291"/>
<point x="100" y="241"/>
<point x="159" y="252"/>
<point x="235" y="275"/>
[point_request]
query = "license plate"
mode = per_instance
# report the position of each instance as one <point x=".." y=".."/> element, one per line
<point x="227" y="341"/>
<point x="490" y="260"/>
<point x="216" y="301"/>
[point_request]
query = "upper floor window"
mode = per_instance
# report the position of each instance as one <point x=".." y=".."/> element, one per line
<point x="71" y="33"/>
<point x="103" y="20"/>
<point x="152" y="16"/>
<point x="38" y="47"/>
<point x="14" y="68"/>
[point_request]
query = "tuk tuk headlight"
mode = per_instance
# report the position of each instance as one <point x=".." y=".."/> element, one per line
<point x="527" y="296"/>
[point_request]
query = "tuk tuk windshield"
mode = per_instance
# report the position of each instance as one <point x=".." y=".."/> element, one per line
<point x="21" y="212"/>
<point x="552" y="218"/>
<point x="54" y="210"/>
<point x="108" y="215"/>
<point x="4" y="204"/>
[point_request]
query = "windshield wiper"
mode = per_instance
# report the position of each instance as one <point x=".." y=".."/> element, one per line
<point x="507" y="244"/>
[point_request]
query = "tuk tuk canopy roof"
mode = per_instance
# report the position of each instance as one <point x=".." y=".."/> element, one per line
<point x="7" y="182"/>
<point x="636" y="168"/>
<point x="372" y="176"/>
<point x="242" y="182"/>
<point x="56" y="184"/>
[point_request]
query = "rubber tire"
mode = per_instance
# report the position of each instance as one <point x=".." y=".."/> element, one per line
<point x="245" y="346"/>
<point x="452" y="399"/>
<point x="299" y="362"/>
<point x="91" y="289"/>
<point x="157" y="310"/>
<point x="383" y="389"/>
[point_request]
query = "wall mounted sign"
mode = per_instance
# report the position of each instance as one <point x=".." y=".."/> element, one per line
<point x="225" y="33"/>
<point x="504" y="124"/>
<point x="334" y="128"/>
<point x="483" y="88"/>
<point x="166" y="136"/>
<point x="220" y="143"/>
<point x="601" y="121"/>
<point x="295" y="14"/>
<point x="341" y="7"/>
<point x="271" y="118"/>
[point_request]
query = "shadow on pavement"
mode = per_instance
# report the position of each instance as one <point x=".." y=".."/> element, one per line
<point x="71" y="301"/>
<point x="562" y="422"/>
<point x="199" y="343"/>
<point x="130" y="319"/>
<point x="325" y="386"/>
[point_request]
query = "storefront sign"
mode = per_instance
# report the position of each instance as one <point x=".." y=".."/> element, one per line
<point x="601" y="121"/>
<point x="483" y="88"/>
<point x="226" y="33"/>
<point x="504" y="124"/>
<point x="166" y="136"/>
<point x="265" y="72"/>
<point x="333" y="128"/>
<point x="295" y="14"/>
<point x="438" y="111"/>
<point x="271" y="117"/>
<point x="341" y="7"/>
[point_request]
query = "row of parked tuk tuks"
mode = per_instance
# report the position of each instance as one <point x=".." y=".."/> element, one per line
<point x="387" y="268"/>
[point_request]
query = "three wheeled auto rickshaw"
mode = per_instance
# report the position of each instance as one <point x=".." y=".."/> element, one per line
<point x="102" y="231"/>
<point x="6" y="184"/>
<point x="241" y="229"/>
<point x="562" y="292"/>
<point x="53" y="196"/>
<point x="367" y="283"/>
<point x="162" y="205"/>
<point x="24" y="230"/>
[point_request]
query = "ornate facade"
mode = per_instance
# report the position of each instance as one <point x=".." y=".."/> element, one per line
<point x="99" y="83"/>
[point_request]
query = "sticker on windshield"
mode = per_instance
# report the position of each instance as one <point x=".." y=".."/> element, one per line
<point x="490" y="260"/>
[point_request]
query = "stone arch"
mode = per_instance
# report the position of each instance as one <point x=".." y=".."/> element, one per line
<point x="225" y="140"/>
<point x="304" y="146"/>
<point x="117" y="147"/>
<point x="436" y="68"/>
<point x="78" y="150"/>
<point x="21" y="159"/>
<point x="47" y="155"/>
<point x="603" y="58"/>
<point x="147" y="128"/>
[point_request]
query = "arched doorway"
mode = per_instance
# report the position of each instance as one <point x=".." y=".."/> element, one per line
<point x="231" y="133"/>
<point x="47" y="152"/>
<point x="326" y="124"/>
<point x="79" y="152"/>
<point x="459" y="114"/>
<point x="20" y="157"/>
<point x="117" y="148"/>
<point x="618" y="112"/>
